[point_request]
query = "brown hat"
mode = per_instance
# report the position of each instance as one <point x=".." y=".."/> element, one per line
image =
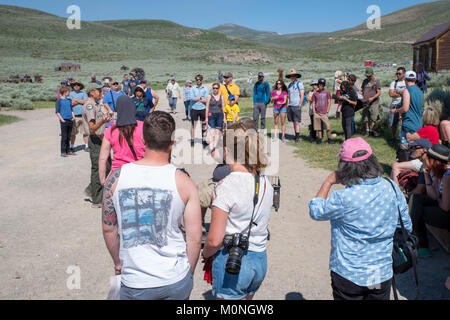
<point x="294" y="73"/>
<point x="76" y="82"/>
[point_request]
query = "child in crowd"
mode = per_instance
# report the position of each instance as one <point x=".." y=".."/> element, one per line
<point x="231" y="110"/>
<point x="321" y="100"/>
<point x="63" y="110"/>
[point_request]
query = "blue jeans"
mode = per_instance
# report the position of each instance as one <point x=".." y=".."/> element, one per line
<point x="187" y="106"/>
<point x="215" y="120"/>
<point x="236" y="287"/>
<point x="353" y="125"/>
<point x="173" y="103"/>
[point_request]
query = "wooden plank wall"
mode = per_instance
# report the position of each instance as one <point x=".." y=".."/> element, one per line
<point x="443" y="60"/>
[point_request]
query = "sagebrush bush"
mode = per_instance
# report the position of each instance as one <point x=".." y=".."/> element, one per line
<point x="23" y="104"/>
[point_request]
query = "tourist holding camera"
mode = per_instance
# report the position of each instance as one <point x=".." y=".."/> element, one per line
<point x="239" y="255"/>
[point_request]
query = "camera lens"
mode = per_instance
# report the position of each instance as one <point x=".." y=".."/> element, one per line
<point x="234" y="260"/>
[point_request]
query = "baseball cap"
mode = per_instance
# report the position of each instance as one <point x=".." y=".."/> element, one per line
<point x="142" y="81"/>
<point x="439" y="152"/>
<point x="322" y="81"/>
<point x="410" y="75"/>
<point x="63" y="81"/>
<point x="260" y="74"/>
<point x="93" y="76"/>
<point x="314" y="82"/>
<point x="69" y="78"/>
<point x="424" y="143"/>
<point x="228" y="75"/>
<point x="353" y="145"/>
<point x="188" y="81"/>
<point x="369" y="71"/>
<point x="231" y="97"/>
<point x="173" y="78"/>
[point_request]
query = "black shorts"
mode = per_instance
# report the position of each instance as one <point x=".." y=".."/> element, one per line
<point x="198" y="115"/>
<point x="294" y="114"/>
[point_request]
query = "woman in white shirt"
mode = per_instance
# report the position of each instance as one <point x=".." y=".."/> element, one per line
<point x="232" y="210"/>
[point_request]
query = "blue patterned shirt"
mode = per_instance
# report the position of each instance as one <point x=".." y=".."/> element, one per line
<point x="363" y="221"/>
<point x="187" y="93"/>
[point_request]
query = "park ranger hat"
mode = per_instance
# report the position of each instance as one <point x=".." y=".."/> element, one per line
<point x="76" y="82"/>
<point x="439" y="152"/>
<point x="228" y="75"/>
<point x="369" y="71"/>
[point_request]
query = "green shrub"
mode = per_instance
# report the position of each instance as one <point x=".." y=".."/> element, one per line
<point x="23" y="104"/>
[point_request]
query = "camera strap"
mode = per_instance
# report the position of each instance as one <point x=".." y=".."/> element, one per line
<point x="255" y="202"/>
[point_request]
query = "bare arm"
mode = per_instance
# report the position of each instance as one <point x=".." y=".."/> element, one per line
<point x="393" y="93"/>
<point x="302" y="96"/>
<point x="109" y="220"/>
<point x="192" y="217"/>
<point x="411" y="137"/>
<point x="208" y="100"/>
<point x="375" y="97"/>
<point x="156" y="97"/>
<point x="95" y="126"/>
<point x="326" y="186"/>
<point x="329" y="105"/>
<point x="216" y="232"/>
<point x="102" y="160"/>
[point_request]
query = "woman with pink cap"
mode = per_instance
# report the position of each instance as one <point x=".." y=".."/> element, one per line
<point x="364" y="216"/>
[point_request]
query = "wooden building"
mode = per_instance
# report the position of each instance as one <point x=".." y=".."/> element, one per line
<point x="433" y="49"/>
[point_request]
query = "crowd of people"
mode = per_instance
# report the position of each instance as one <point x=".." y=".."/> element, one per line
<point x="153" y="213"/>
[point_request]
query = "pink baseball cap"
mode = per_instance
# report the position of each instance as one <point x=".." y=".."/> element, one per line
<point x="350" y="146"/>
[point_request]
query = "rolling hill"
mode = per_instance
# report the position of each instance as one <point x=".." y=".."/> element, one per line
<point x="398" y="30"/>
<point x="41" y="35"/>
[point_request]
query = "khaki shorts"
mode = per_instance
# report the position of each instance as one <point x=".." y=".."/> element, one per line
<point x="205" y="190"/>
<point x="320" y="119"/>
<point x="371" y="113"/>
<point x="78" y="126"/>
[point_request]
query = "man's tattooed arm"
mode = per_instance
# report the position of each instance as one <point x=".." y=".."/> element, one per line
<point x="109" y="215"/>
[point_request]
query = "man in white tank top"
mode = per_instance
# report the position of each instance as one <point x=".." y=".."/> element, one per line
<point x="143" y="205"/>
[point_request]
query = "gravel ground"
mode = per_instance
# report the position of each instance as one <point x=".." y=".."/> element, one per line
<point x="49" y="233"/>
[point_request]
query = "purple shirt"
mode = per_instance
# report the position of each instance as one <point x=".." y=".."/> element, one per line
<point x="321" y="98"/>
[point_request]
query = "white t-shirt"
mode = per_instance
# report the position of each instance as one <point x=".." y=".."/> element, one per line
<point x="234" y="195"/>
<point x="401" y="85"/>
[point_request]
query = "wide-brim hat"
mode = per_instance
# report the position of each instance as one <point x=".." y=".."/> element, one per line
<point x="76" y="82"/>
<point x="293" y="73"/>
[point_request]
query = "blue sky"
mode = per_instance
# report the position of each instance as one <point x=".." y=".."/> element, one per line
<point x="282" y="16"/>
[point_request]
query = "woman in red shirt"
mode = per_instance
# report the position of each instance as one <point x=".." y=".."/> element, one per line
<point x="430" y="120"/>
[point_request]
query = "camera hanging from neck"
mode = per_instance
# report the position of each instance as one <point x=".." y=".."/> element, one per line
<point x="255" y="202"/>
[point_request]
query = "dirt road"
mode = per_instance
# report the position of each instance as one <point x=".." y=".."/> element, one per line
<point x="50" y="235"/>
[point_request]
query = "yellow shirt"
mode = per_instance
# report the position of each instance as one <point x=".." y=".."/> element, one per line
<point x="234" y="90"/>
<point x="231" y="111"/>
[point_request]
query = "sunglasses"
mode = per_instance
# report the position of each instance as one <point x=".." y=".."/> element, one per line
<point x="415" y="148"/>
<point x="215" y="88"/>
<point x="198" y="80"/>
<point x="399" y="74"/>
<point x="115" y="84"/>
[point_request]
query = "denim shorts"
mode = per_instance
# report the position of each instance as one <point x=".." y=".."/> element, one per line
<point x="281" y="110"/>
<point x="247" y="282"/>
<point x="215" y="120"/>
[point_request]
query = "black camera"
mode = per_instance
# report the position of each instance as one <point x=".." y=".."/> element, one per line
<point x="235" y="244"/>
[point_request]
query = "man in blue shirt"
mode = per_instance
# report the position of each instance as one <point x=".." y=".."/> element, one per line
<point x="411" y="106"/>
<point x="198" y="109"/>
<point x="125" y="84"/>
<point x="261" y="97"/>
<point x="94" y="80"/>
<point x="78" y="98"/>
<point x="110" y="98"/>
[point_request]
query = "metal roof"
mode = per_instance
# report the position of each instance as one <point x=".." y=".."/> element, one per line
<point x="435" y="32"/>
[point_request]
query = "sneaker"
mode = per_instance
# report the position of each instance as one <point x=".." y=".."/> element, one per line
<point x="297" y="140"/>
<point x="87" y="149"/>
<point x="96" y="205"/>
<point x="64" y="155"/>
<point x="311" y="139"/>
<point x="283" y="139"/>
<point x="331" y="142"/>
<point x="71" y="151"/>
<point x="423" y="252"/>
<point x="192" y="143"/>
<point x="319" y="141"/>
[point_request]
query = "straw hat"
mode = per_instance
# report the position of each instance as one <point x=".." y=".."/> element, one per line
<point x="293" y="73"/>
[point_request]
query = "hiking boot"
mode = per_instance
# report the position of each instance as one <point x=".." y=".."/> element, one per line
<point x="283" y="139"/>
<point x="319" y="141"/>
<point x="64" y="155"/>
<point x="331" y="142"/>
<point x="71" y="151"/>
<point x="311" y="139"/>
<point x="297" y="140"/>
<point x="423" y="252"/>
<point x="192" y="143"/>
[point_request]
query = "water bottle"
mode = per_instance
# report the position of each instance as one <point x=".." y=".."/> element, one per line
<point x="403" y="141"/>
